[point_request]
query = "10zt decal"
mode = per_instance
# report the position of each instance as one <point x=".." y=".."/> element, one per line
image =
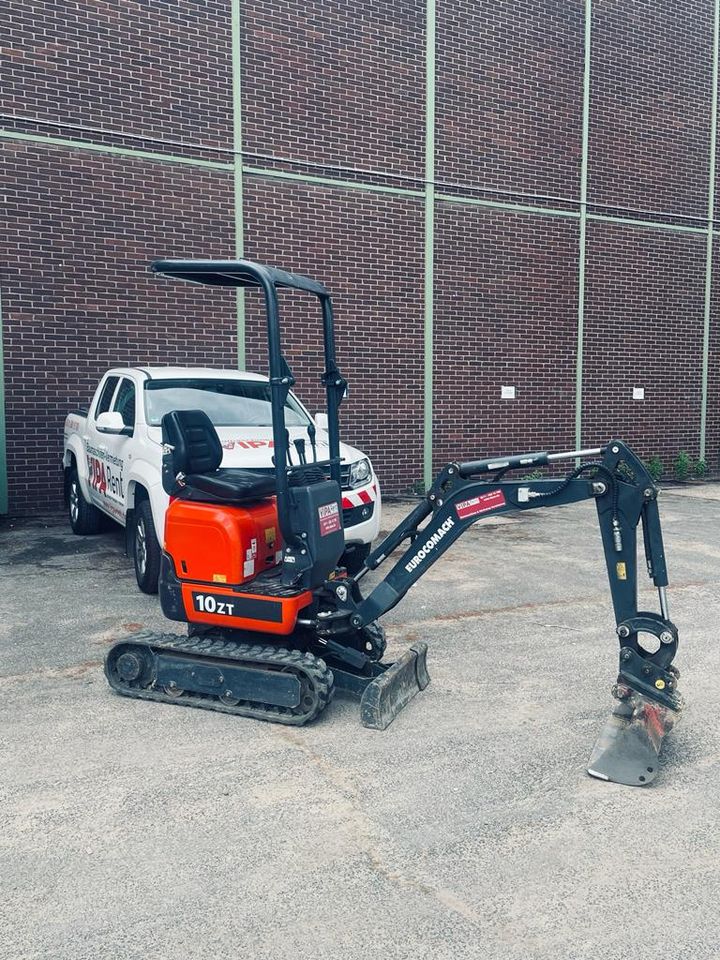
<point x="430" y="544"/>
<point x="205" y="603"/>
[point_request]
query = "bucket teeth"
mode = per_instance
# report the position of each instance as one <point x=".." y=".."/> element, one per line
<point x="629" y="744"/>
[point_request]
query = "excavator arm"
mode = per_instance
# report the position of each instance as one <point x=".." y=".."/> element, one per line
<point x="625" y="498"/>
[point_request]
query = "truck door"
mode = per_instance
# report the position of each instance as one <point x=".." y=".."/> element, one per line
<point x="117" y="450"/>
<point x="95" y="443"/>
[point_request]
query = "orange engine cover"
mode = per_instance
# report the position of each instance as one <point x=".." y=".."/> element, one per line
<point x="215" y="549"/>
<point x="216" y="543"/>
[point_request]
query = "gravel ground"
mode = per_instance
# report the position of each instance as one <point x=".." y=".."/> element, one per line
<point x="468" y="829"/>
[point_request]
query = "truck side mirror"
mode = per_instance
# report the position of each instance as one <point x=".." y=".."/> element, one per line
<point x="112" y="422"/>
<point x="321" y="421"/>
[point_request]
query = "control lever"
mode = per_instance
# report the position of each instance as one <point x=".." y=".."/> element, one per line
<point x="300" y="447"/>
<point x="311" y="433"/>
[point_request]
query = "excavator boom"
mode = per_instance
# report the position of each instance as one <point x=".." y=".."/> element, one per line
<point x="625" y="497"/>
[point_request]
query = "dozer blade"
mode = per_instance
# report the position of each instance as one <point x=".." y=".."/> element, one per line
<point x="385" y="697"/>
<point x="628" y="747"/>
<point x="389" y="688"/>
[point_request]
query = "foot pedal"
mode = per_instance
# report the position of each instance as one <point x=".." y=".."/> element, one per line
<point x="629" y="744"/>
<point x="389" y="688"/>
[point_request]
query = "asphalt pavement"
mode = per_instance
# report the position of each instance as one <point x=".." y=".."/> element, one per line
<point x="468" y="829"/>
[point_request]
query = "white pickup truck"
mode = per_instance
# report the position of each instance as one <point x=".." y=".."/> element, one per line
<point x="112" y="456"/>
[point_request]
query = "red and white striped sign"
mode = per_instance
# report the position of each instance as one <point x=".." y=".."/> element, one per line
<point x="353" y="498"/>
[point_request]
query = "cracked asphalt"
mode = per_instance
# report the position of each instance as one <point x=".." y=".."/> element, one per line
<point x="468" y="829"/>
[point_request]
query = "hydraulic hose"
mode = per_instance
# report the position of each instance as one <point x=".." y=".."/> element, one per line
<point x="574" y="474"/>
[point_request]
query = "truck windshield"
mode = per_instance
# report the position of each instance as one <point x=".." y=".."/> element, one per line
<point x="228" y="403"/>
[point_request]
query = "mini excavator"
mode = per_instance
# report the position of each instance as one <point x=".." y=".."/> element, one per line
<point x="275" y="626"/>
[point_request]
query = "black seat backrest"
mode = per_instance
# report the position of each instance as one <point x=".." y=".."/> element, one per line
<point x="197" y="447"/>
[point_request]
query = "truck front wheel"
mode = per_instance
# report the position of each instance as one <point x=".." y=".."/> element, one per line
<point x="84" y="517"/>
<point x="146" y="549"/>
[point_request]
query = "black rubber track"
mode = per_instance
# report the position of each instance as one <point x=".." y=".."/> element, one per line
<point x="314" y="675"/>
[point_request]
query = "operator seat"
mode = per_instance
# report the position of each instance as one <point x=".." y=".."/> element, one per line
<point x="191" y="463"/>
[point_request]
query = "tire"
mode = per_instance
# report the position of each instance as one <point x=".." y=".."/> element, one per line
<point x="145" y="549"/>
<point x="85" y="519"/>
<point x="354" y="557"/>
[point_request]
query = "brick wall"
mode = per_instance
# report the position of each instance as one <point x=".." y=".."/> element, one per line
<point x="368" y="251"/>
<point x="336" y="83"/>
<point x="80" y="230"/>
<point x="509" y="104"/>
<point x="160" y="68"/>
<point x="643" y="327"/>
<point x="650" y="106"/>
<point x="506" y="316"/>
<point x="334" y="90"/>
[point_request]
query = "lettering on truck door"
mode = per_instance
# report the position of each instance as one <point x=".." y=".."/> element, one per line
<point x="96" y="444"/>
<point x="113" y="464"/>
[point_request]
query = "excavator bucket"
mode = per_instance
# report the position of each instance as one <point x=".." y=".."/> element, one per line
<point x="628" y="747"/>
<point x="388" y="688"/>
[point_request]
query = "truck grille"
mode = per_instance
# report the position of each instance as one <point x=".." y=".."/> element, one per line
<point x="353" y="515"/>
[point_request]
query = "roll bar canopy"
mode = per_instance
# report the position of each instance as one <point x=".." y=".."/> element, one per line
<point x="246" y="273"/>
<point x="236" y="273"/>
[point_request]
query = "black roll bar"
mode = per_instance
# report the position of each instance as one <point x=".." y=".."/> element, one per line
<point x="245" y="273"/>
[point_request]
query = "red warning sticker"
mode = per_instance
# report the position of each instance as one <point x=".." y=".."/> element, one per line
<point x="329" y="517"/>
<point x="477" y="505"/>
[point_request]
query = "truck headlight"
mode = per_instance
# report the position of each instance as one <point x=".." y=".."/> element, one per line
<point x="360" y="473"/>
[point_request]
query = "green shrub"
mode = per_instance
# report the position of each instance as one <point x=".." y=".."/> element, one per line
<point x="533" y="475"/>
<point x="700" y="469"/>
<point x="654" y="468"/>
<point x="681" y="466"/>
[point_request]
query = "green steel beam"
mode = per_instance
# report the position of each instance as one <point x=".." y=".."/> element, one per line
<point x="311" y="180"/>
<point x="502" y="205"/>
<point x="582" y="239"/>
<point x="238" y="176"/>
<point x="429" y="243"/>
<point x="331" y="182"/>
<point x="569" y="214"/>
<point x="650" y="224"/>
<point x="3" y="446"/>
<point x="709" y="243"/>
<point x="115" y="151"/>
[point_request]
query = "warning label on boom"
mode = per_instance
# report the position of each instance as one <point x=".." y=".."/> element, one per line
<point x="477" y="505"/>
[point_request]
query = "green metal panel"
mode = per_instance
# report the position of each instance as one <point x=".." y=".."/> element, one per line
<point x="3" y="447"/>
<point x="709" y="243"/>
<point x="429" y="246"/>
<point x="238" y="176"/>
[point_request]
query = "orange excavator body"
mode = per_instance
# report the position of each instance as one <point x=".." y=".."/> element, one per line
<point x="221" y="555"/>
